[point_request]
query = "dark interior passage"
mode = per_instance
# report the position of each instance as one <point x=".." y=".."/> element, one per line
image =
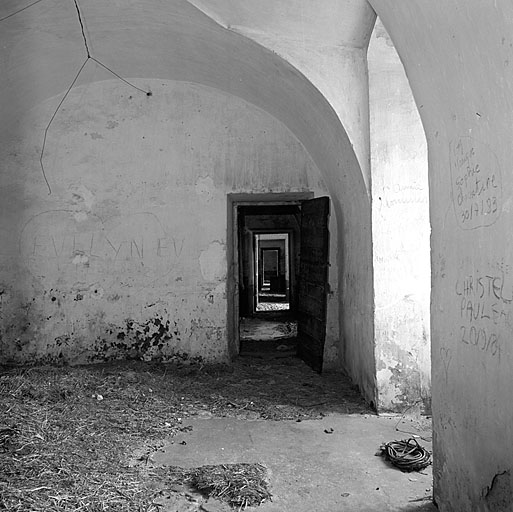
<point x="283" y="278"/>
<point x="273" y="270"/>
<point x="269" y="238"/>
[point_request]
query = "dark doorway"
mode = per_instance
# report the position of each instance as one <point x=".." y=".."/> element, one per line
<point x="280" y="269"/>
<point x="272" y="267"/>
<point x="268" y="255"/>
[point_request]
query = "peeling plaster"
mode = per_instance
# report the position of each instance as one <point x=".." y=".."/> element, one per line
<point x="149" y="340"/>
<point x="132" y="232"/>
<point x="400" y="231"/>
<point x="213" y="262"/>
<point x="80" y="216"/>
<point x="380" y="32"/>
<point x="399" y="381"/>
<point x="82" y="196"/>
<point x="205" y="189"/>
<point x="499" y="495"/>
<point x="219" y="292"/>
<point x="80" y="259"/>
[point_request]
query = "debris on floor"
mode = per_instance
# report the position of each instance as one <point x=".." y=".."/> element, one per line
<point x="61" y="448"/>
<point x="407" y="455"/>
<point x="239" y="485"/>
<point x="265" y="329"/>
<point x="7" y="436"/>
<point x="273" y="306"/>
<point x="309" y="470"/>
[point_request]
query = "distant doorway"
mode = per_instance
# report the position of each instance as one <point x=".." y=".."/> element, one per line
<point x="268" y="248"/>
<point x="279" y="272"/>
<point x="272" y="267"/>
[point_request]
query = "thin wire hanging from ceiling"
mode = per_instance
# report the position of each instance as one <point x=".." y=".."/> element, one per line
<point x="20" y="10"/>
<point x="72" y="84"/>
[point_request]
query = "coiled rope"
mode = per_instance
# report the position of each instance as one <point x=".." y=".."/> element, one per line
<point x="407" y="454"/>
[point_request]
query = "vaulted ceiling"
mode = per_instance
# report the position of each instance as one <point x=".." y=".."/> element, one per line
<point x="186" y="40"/>
<point x="218" y="43"/>
<point x="328" y="23"/>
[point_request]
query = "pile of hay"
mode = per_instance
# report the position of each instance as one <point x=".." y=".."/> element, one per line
<point x="69" y="435"/>
<point x="240" y="485"/>
<point x="64" y="449"/>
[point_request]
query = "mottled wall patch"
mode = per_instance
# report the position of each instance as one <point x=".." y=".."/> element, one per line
<point x="213" y="262"/>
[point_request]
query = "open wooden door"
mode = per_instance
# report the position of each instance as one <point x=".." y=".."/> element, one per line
<point x="246" y="258"/>
<point x="313" y="281"/>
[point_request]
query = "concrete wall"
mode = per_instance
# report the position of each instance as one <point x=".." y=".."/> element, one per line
<point x="42" y="49"/>
<point x="459" y="59"/>
<point x="400" y="232"/>
<point x="127" y="255"/>
<point x="457" y="55"/>
<point x="327" y="45"/>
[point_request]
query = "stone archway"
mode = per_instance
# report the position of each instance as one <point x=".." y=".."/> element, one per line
<point x="457" y="59"/>
<point x="47" y="55"/>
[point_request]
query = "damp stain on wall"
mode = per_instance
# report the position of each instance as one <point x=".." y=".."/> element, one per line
<point x="400" y="381"/>
<point x="138" y="340"/>
<point x="498" y="496"/>
<point x="135" y="217"/>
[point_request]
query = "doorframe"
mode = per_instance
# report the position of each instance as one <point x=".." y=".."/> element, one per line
<point x="288" y="254"/>
<point x="235" y="201"/>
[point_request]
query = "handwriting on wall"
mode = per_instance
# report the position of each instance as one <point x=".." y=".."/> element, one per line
<point x="133" y="246"/>
<point x="476" y="183"/>
<point x="405" y="194"/>
<point x="485" y="305"/>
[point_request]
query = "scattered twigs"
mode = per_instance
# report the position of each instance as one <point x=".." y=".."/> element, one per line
<point x="81" y="438"/>
<point x="240" y="485"/>
<point x="58" y="451"/>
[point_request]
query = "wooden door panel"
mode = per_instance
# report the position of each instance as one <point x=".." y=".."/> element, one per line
<point x="313" y="281"/>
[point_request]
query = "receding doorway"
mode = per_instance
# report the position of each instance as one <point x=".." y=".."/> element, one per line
<point x="278" y="273"/>
<point x="272" y="272"/>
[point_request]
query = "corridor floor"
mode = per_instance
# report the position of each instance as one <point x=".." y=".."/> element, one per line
<point x="326" y="465"/>
<point x="266" y="329"/>
<point x="90" y="436"/>
<point x="320" y="450"/>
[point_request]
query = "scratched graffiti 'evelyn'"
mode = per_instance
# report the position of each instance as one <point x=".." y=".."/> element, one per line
<point x="135" y="247"/>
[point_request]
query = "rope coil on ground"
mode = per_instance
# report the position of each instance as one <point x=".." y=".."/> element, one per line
<point x="407" y="454"/>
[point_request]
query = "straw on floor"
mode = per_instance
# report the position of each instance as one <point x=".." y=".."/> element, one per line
<point x="81" y="438"/>
<point x="240" y="485"/>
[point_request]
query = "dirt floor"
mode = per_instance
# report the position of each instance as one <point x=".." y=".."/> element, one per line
<point x="79" y="438"/>
<point x="260" y="329"/>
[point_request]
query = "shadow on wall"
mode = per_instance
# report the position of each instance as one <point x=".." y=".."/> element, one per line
<point x="109" y="163"/>
<point x="421" y="507"/>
